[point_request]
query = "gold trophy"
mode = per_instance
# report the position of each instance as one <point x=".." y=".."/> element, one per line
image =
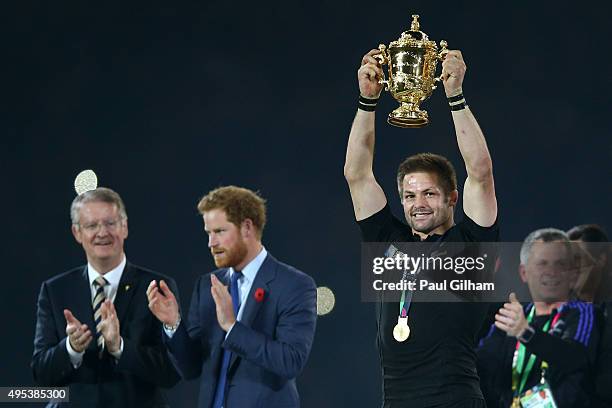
<point x="412" y="61"/>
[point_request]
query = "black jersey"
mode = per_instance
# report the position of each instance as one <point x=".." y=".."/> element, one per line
<point x="437" y="364"/>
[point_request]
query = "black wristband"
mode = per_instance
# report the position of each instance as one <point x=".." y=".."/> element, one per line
<point x="457" y="102"/>
<point x="455" y="98"/>
<point x="458" y="107"/>
<point x="367" y="104"/>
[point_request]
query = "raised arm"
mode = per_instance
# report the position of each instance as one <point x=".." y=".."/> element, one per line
<point x="479" y="202"/>
<point x="367" y="195"/>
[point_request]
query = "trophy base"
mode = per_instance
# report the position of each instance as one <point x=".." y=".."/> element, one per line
<point x="406" y="116"/>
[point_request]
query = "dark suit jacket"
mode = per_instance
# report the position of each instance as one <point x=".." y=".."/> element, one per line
<point x="132" y="381"/>
<point x="270" y="345"/>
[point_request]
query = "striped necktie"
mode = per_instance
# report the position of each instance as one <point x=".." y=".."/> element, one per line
<point x="98" y="299"/>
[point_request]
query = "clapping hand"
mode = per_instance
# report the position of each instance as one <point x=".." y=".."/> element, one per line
<point x="162" y="303"/>
<point x="223" y="301"/>
<point x="511" y="318"/>
<point x="109" y="326"/>
<point x="78" y="333"/>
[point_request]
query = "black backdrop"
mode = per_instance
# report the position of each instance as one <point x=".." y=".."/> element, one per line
<point x="166" y="101"/>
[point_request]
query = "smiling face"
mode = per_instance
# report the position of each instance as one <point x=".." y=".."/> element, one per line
<point x="548" y="271"/>
<point x="225" y="240"/>
<point x="101" y="231"/>
<point x="426" y="207"/>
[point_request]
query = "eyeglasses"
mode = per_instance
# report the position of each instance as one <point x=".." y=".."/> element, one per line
<point x="94" y="228"/>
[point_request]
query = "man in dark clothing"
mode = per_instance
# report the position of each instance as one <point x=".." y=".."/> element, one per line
<point x="435" y="365"/>
<point x="550" y="343"/>
<point x="595" y="284"/>
<point x="94" y="331"/>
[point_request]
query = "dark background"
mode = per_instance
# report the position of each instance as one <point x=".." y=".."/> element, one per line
<point x="166" y="101"/>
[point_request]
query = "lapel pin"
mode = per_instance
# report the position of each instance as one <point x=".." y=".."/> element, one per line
<point x="259" y="295"/>
<point x="127" y="287"/>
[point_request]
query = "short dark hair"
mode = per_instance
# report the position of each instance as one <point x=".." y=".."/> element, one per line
<point x="238" y="203"/>
<point x="429" y="163"/>
<point x="593" y="235"/>
<point x="588" y="233"/>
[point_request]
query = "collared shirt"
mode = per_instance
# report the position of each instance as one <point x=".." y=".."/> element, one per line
<point x="244" y="285"/>
<point x="110" y="292"/>
<point x="112" y="277"/>
<point x="246" y="280"/>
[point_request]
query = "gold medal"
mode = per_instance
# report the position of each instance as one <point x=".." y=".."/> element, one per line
<point x="401" y="331"/>
<point x="516" y="402"/>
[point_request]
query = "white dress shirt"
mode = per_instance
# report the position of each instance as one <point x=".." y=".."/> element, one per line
<point x="110" y="292"/>
<point x="245" y="282"/>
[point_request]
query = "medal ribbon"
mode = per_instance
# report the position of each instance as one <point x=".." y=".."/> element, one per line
<point x="518" y="370"/>
<point x="405" y="306"/>
<point x="406" y="301"/>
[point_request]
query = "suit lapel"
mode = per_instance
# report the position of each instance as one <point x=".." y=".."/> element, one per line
<point x="128" y="286"/>
<point x="83" y="309"/>
<point x="266" y="273"/>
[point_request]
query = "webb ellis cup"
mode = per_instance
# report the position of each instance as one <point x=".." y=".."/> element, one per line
<point x="411" y="61"/>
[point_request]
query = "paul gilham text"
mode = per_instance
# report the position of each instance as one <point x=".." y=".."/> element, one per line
<point x="424" y="285"/>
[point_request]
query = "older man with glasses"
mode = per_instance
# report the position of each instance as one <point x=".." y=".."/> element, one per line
<point x="94" y="331"/>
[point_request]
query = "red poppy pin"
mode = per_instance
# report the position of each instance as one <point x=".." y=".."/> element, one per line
<point x="259" y="294"/>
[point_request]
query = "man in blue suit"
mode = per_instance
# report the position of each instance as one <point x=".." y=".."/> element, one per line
<point x="248" y="343"/>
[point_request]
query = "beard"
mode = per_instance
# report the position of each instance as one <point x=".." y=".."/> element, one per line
<point x="426" y="226"/>
<point x="231" y="256"/>
<point x="437" y="217"/>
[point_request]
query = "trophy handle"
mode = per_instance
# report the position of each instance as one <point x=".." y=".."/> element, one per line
<point x="383" y="58"/>
<point x="441" y="55"/>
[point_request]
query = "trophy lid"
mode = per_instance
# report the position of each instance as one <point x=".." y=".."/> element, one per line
<point x="415" y="26"/>
<point x="415" y="30"/>
<point x="414" y="37"/>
